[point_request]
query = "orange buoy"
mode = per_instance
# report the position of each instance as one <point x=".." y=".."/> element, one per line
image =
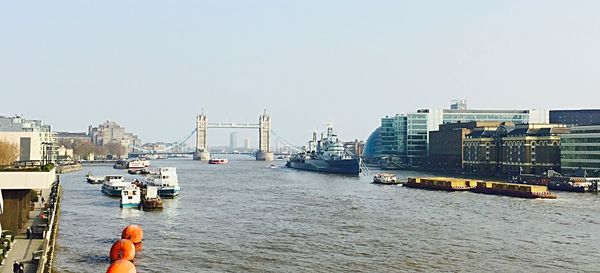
<point x="121" y="266"/>
<point x="133" y="233"/>
<point x="138" y="247"/>
<point x="122" y="249"/>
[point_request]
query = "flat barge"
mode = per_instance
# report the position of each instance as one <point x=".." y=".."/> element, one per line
<point x="515" y="190"/>
<point x="479" y="186"/>
<point x="440" y="183"/>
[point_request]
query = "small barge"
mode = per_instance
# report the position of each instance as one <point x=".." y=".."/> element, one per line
<point x="150" y="199"/>
<point x="515" y="190"/>
<point x="440" y="183"/>
<point x="479" y="186"/>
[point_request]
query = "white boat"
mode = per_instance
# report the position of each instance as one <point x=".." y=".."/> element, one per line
<point x="113" y="184"/>
<point x="163" y="157"/>
<point x="94" y="179"/>
<point x="151" y="156"/>
<point x="165" y="178"/>
<point x="218" y="161"/>
<point x="138" y="164"/>
<point x="385" y="178"/>
<point x="130" y="197"/>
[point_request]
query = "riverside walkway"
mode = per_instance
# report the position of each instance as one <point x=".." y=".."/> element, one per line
<point x="22" y="248"/>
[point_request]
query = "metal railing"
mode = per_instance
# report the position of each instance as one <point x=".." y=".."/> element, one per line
<point x="50" y="233"/>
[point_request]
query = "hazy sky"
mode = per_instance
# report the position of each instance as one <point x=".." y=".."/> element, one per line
<point x="152" y="66"/>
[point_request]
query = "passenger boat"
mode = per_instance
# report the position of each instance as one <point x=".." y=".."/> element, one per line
<point x="138" y="171"/>
<point x="113" y="185"/>
<point x="327" y="155"/>
<point x="166" y="181"/>
<point x="440" y="183"/>
<point x="138" y="164"/>
<point x="218" y="161"/>
<point x="151" y="199"/>
<point x="515" y="190"/>
<point x="121" y="164"/>
<point x="385" y="178"/>
<point x="94" y="179"/>
<point x="130" y="197"/>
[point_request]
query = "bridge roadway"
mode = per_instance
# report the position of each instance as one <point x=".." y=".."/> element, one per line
<point x="191" y="153"/>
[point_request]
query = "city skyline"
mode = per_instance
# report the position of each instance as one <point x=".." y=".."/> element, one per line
<point x="153" y="67"/>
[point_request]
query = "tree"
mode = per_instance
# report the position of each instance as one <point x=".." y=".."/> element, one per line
<point x="101" y="151"/>
<point x="83" y="149"/>
<point x="9" y="152"/>
<point x="115" y="148"/>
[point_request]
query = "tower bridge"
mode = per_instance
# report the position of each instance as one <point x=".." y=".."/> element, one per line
<point x="264" y="152"/>
<point x="201" y="152"/>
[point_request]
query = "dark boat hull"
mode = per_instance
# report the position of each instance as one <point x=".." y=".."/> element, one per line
<point x="346" y="166"/>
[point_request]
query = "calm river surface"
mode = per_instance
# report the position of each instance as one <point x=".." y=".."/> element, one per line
<point x="247" y="217"/>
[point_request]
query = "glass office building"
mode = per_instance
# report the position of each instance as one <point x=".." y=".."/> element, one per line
<point x="580" y="151"/>
<point x="407" y="136"/>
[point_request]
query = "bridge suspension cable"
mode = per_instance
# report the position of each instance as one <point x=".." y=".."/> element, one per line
<point x="286" y="143"/>
<point x="169" y="147"/>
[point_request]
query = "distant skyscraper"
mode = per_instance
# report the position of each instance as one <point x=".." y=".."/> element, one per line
<point x="246" y="143"/>
<point x="233" y="141"/>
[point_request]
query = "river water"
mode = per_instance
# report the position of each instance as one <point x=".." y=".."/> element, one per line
<point x="247" y="217"/>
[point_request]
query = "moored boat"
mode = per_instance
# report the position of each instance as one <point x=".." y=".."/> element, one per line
<point x="113" y="185"/>
<point x="138" y="164"/>
<point x="515" y="190"/>
<point x="165" y="178"/>
<point x="440" y="183"/>
<point x="326" y="155"/>
<point x="94" y="179"/>
<point x="138" y="171"/>
<point x="151" y="199"/>
<point x="218" y="161"/>
<point x="121" y="164"/>
<point x="130" y="197"/>
<point x="385" y="178"/>
<point x="557" y="182"/>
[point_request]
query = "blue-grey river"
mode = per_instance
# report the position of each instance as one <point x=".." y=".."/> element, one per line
<point x="247" y="217"/>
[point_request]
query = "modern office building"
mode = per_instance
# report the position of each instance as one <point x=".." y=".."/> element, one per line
<point x="520" y="149"/>
<point x="392" y="137"/>
<point x="583" y="117"/>
<point x="580" y="151"/>
<point x="233" y="143"/>
<point x="406" y="137"/>
<point x="372" y="150"/>
<point x="36" y="141"/>
<point x="355" y="147"/>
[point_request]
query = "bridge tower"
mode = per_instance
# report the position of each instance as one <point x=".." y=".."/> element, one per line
<point x="201" y="152"/>
<point x="264" y="138"/>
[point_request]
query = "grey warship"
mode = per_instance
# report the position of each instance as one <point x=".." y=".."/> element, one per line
<point x="326" y="155"/>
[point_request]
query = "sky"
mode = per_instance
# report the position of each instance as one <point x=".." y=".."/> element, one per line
<point x="151" y="66"/>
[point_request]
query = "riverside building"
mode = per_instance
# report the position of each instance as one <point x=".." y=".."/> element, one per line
<point x="580" y="151"/>
<point x="110" y="131"/>
<point x="446" y="144"/>
<point x="521" y="149"/>
<point x="35" y="140"/>
<point x="405" y="137"/>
